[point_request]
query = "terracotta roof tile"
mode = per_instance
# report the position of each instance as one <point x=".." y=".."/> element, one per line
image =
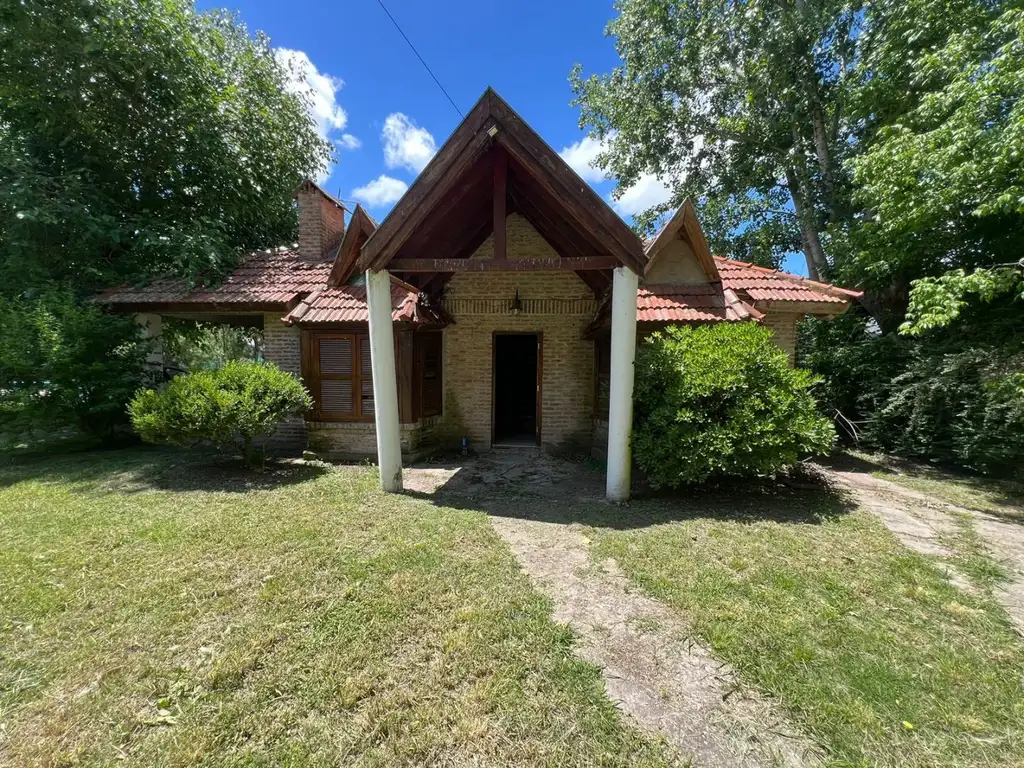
<point x="347" y="304"/>
<point x="264" y="277"/>
<point x="762" y="284"/>
<point x="691" y="303"/>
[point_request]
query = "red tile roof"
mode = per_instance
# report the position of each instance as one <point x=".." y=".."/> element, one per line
<point x="691" y="303"/>
<point x="264" y="277"/>
<point x="347" y="304"/>
<point x="762" y="284"/>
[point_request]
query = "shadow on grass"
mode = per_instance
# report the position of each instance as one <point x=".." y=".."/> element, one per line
<point x="142" y="468"/>
<point x="562" y="492"/>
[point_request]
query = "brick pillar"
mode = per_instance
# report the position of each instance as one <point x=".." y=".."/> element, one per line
<point x="282" y="347"/>
<point x="321" y="222"/>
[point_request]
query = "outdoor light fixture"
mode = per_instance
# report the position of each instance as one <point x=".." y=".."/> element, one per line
<point x="492" y="131"/>
<point x="517" y="304"/>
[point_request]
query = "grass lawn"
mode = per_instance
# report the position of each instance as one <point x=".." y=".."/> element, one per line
<point x="157" y="610"/>
<point x="867" y="643"/>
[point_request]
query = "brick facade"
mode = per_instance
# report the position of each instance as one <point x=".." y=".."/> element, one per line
<point x="783" y="325"/>
<point x="321" y="222"/>
<point x="281" y="346"/>
<point x="558" y="305"/>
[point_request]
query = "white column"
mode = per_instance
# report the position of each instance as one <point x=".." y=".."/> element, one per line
<point x="620" y="395"/>
<point x="385" y="389"/>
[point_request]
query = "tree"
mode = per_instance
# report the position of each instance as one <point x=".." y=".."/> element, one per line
<point x="943" y="184"/>
<point x="139" y="137"/>
<point x="740" y="104"/>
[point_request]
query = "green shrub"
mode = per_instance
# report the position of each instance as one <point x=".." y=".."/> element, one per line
<point x="231" y="408"/>
<point x="953" y="396"/>
<point x="65" y="362"/>
<point x="721" y="400"/>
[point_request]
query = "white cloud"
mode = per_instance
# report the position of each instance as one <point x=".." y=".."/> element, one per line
<point x="646" y="192"/>
<point x="321" y="88"/>
<point x="348" y="141"/>
<point x="382" y="191"/>
<point x="581" y="155"/>
<point x="406" y="145"/>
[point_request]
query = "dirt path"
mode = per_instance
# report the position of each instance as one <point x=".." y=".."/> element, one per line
<point x="653" y="669"/>
<point x="922" y="522"/>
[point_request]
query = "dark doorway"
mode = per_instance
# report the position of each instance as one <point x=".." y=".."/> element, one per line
<point x="516" y="388"/>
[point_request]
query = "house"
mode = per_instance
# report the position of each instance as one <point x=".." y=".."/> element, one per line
<point x="500" y="301"/>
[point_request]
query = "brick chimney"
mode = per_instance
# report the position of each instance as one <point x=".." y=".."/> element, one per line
<point x="321" y="222"/>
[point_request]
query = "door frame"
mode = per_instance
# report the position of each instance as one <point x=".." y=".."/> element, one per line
<point x="540" y="378"/>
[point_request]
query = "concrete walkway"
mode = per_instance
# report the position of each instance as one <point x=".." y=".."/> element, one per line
<point x="654" y="670"/>
<point x="922" y="521"/>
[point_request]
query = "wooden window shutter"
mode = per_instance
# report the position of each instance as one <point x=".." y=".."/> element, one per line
<point x="365" y="376"/>
<point x="342" y="377"/>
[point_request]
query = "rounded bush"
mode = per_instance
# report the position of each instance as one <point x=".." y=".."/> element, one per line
<point x="721" y="400"/>
<point x="231" y="407"/>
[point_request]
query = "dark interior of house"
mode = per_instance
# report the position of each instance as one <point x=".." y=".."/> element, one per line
<point x="515" y="389"/>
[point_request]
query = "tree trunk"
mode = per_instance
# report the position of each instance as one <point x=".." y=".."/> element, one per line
<point x="817" y="266"/>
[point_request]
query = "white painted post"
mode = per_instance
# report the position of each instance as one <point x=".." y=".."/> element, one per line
<point x="385" y="389"/>
<point x="620" y="395"/>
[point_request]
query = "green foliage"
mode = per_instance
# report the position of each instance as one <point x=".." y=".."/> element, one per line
<point x="935" y="302"/>
<point x="964" y="407"/>
<point x="141" y="137"/>
<point x="739" y="105"/>
<point x="136" y="139"/>
<point x="941" y="183"/>
<point x="949" y="397"/>
<point x="721" y="400"/>
<point x="231" y="407"/>
<point x="64" y="363"/>
<point x="195" y="346"/>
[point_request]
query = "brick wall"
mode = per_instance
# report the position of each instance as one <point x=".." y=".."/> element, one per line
<point x="321" y="222"/>
<point x="557" y="304"/>
<point x="783" y="324"/>
<point x="676" y="264"/>
<point x="281" y="346"/>
<point x="357" y="440"/>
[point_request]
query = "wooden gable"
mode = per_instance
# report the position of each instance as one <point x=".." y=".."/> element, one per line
<point x="494" y="165"/>
<point x="359" y="231"/>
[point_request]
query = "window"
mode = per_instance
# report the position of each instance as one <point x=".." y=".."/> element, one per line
<point x="430" y="373"/>
<point x="602" y="376"/>
<point x="342" y="377"/>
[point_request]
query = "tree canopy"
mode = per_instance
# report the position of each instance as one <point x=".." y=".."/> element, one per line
<point x="884" y="140"/>
<point x="137" y="137"/>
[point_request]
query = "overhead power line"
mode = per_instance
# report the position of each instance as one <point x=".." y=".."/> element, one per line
<point x="424" y="63"/>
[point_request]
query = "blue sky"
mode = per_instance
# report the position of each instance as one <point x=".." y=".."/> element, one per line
<point x="381" y="108"/>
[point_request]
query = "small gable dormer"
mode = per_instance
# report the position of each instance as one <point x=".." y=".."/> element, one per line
<point x="679" y="254"/>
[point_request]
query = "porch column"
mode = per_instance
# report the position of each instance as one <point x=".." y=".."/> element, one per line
<point x="385" y="390"/>
<point x="620" y="395"/>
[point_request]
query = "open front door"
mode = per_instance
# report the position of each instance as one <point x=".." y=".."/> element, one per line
<point x="516" y="389"/>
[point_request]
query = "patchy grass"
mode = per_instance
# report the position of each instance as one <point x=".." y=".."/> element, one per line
<point x="1002" y="497"/>
<point x="816" y="603"/>
<point x="971" y="556"/>
<point x="157" y="609"/>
